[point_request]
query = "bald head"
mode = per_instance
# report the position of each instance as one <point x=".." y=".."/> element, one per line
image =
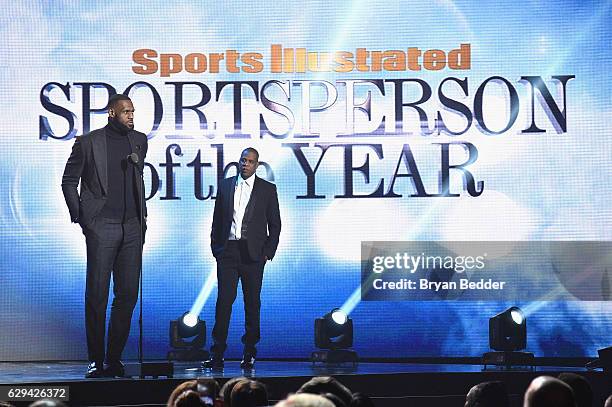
<point x="487" y="394"/>
<point x="327" y="384"/>
<point x="547" y="391"/>
<point x="305" y="400"/>
<point x="583" y="394"/>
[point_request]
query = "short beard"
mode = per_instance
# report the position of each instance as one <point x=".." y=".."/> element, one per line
<point x="122" y="128"/>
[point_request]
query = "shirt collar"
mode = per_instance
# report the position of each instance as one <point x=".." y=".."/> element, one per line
<point x="249" y="181"/>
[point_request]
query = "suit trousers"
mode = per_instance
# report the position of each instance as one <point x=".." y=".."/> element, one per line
<point x="234" y="264"/>
<point x="113" y="248"/>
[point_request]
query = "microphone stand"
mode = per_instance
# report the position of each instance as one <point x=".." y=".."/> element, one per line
<point x="153" y="369"/>
<point x="141" y="247"/>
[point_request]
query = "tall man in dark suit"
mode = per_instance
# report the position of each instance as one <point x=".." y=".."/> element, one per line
<point x="245" y="232"/>
<point x="107" y="163"/>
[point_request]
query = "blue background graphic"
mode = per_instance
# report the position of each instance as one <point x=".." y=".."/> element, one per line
<point x="545" y="186"/>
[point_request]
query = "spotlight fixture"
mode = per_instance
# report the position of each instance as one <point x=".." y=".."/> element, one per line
<point x="508" y="330"/>
<point x="604" y="361"/>
<point x="187" y="338"/>
<point x="334" y="337"/>
<point x="508" y="337"/>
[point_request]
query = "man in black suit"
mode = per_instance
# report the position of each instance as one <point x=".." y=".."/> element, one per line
<point x="107" y="163"/>
<point x="245" y="232"/>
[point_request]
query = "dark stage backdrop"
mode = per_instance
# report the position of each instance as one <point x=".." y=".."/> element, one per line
<point x="360" y="110"/>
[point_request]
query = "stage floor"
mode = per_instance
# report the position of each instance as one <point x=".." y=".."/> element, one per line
<point x="389" y="384"/>
<point x="40" y="372"/>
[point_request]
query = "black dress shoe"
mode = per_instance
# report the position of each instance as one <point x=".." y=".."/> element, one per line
<point x="215" y="362"/>
<point x="114" y="369"/>
<point x="94" y="370"/>
<point x="248" y="362"/>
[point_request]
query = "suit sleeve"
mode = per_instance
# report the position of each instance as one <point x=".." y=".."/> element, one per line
<point x="274" y="225"/>
<point x="217" y="222"/>
<point x="71" y="178"/>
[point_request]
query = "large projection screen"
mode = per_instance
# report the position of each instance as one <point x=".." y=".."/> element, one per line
<point x="382" y="121"/>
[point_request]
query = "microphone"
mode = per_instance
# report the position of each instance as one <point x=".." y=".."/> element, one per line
<point x="133" y="158"/>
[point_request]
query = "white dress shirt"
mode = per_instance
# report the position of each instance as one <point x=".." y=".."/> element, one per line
<point x="242" y="194"/>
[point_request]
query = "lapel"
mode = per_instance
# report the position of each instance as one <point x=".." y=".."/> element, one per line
<point x="100" y="158"/>
<point x="130" y="136"/>
<point x="248" y="212"/>
<point x="136" y="148"/>
<point x="229" y="202"/>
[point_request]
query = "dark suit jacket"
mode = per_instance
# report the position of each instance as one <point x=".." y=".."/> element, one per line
<point x="87" y="164"/>
<point x="261" y="224"/>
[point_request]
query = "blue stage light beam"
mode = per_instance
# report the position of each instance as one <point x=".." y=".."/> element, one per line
<point x="202" y="298"/>
<point x="355" y="298"/>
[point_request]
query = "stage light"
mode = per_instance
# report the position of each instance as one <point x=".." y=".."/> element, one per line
<point x="508" y="336"/>
<point x="187" y="338"/>
<point x="334" y="336"/>
<point x="603" y="362"/>
<point x="190" y="320"/>
<point x="334" y="330"/>
<point x="517" y="315"/>
<point x="339" y="316"/>
<point x="508" y="330"/>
